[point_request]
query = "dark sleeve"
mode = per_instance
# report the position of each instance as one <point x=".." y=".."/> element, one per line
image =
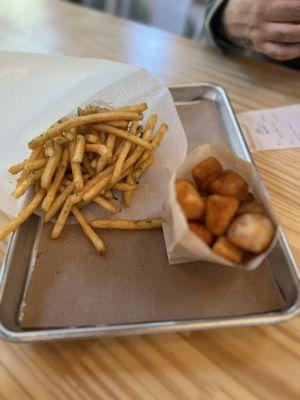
<point x="211" y="25"/>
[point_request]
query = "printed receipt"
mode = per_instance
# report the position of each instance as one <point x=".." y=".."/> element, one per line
<point x="274" y="128"/>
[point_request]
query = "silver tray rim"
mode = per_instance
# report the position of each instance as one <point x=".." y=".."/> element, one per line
<point x="69" y="333"/>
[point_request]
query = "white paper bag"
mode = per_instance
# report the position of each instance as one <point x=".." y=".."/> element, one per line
<point x="182" y="244"/>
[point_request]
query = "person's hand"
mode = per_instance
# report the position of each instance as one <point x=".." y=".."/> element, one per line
<point x="270" y="27"/>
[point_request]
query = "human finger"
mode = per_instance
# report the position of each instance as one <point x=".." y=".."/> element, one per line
<point x="281" y="52"/>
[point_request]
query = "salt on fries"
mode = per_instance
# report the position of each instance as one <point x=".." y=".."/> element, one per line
<point x="28" y="210"/>
<point x="83" y="160"/>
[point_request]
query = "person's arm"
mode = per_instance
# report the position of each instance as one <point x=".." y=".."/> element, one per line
<point x="271" y="28"/>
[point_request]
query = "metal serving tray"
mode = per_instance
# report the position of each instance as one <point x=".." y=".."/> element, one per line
<point x="22" y="250"/>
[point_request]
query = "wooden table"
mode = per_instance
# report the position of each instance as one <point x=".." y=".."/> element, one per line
<point x="245" y="363"/>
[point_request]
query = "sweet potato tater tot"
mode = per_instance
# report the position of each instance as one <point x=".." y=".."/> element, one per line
<point x="202" y="232"/>
<point x="206" y="171"/>
<point x="252" y="232"/>
<point x="219" y="212"/>
<point x="228" y="250"/>
<point x="229" y="184"/>
<point x="189" y="199"/>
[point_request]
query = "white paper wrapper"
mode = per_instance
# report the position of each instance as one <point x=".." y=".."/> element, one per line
<point x="37" y="90"/>
<point x="182" y="244"/>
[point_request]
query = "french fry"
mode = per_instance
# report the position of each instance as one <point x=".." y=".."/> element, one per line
<point x="125" y="135"/>
<point x="64" y="214"/>
<point x="28" y="210"/>
<point x="88" y="167"/>
<point x="134" y="107"/>
<point x="26" y="184"/>
<point x="80" y="121"/>
<point x="78" y="179"/>
<point x="117" y="143"/>
<point x="60" y="173"/>
<point x="102" y="182"/>
<point x="160" y="134"/>
<point x="102" y="136"/>
<point x="33" y="156"/>
<point x="49" y="149"/>
<point x="153" y="223"/>
<point x="51" y="166"/>
<point x="79" y="149"/>
<point x="147" y="159"/>
<point x="136" y="154"/>
<point x="100" y="149"/>
<point x="59" y="202"/>
<point x="83" y="204"/>
<point x="89" y="232"/>
<point x="15" y="169"/>
<point x="92" y="193"/>
<point x="123" y="155"/>
<point x="142" y="166"/>
<point x="36" y="164"/>
<point x="100" y="164"/>
<point x="60" y="140"/>
<point x="97" y="178"/>
<point x="92" y="138"/>
<point x="90" y="109"/>
<point x="96" y="133"/>
<point x="118" y="149"/>
<point x="70" y="135"/>
<point x="76" y="170"/>
<point x="119" y="124"/>
<point x="110" y="142"/>
<point x="95" y="109"/>
<point x="102" y="161"/>
<point x="127" y="195"/>
<point x="106" y="204"/>
<point x="126" y="169"/>
<point x="126" y="187"/>
<point x="82" y="130"/>
<point x="37" y="186"/>
<point x="150" y="126"/>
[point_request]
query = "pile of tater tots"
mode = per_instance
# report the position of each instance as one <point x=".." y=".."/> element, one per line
<point x="222" y="212"/>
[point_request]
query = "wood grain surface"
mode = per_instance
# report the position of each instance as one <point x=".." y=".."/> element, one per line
<point x="245" y="363"/>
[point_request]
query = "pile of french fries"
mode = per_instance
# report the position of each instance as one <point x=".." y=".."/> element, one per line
<point x="83" y="160"/>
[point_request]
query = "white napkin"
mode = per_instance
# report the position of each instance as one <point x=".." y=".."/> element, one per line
<point x="36" y="90"/>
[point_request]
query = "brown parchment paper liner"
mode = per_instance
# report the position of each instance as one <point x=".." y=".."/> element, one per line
<point x="183" y="245"/>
